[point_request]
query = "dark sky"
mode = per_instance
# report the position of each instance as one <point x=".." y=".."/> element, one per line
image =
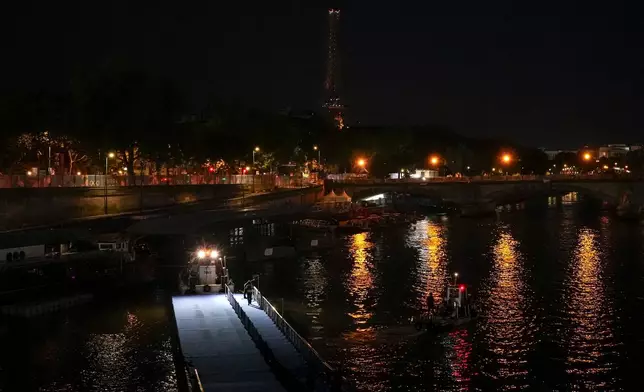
<point x="545" y="73"/>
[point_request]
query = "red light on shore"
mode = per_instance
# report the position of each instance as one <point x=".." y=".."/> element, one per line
<point x="461" y="287"/>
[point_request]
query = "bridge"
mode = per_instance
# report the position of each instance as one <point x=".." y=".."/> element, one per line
<point x="232" y="346"/>
<point x="478" y="195"/>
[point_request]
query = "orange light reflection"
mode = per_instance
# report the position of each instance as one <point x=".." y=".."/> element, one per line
<point x="361" y="278"/>
<point x="590" y="315"/>
<point x="505" y="323"/>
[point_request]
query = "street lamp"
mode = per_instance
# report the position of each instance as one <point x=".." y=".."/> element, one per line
<point x="255" y="150"/>
<point x="434" y="160"/>
<point x="587" y="157"/>
<point x="316" y="148"/>
<point x="362" y="163"/>
<point x="506" y="158"/>
<point x="107" y="157"/>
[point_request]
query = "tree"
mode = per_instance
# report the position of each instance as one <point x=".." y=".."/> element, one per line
<point x="75" y="156"/>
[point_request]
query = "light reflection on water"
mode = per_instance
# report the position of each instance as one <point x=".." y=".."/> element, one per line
<point x="106" y="348"/>
<point x="590" y="337"/>
<point x="505" y="328"/>
<point x="547" y="312"/>
<point x="429" y="238"/>
<point x="360" y="282"/>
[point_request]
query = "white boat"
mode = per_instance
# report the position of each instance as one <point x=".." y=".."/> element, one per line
<point x="206" y="272"/>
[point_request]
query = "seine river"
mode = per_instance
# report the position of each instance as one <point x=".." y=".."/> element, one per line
<point x="560" y="289"/>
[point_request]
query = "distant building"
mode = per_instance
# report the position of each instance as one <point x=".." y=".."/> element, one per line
<point x="553" y="153"/>
<point x="418" y="174"/>
<point x="613" y="151"/>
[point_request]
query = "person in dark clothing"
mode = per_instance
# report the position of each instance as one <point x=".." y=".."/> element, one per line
<point x="249" y="283"/>
<point x="430" y="304"/>
<point x="248" y="290"/>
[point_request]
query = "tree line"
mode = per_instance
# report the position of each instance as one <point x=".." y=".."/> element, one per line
<point x="149" y="123"/>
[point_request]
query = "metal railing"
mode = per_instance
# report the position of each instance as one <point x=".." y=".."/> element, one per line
<point x="194" y="382"/>
<point x="494" y="178"/>
<point x="331" y="379"/>
<point x="123" y="180"/>
<point x="281" y="373"/>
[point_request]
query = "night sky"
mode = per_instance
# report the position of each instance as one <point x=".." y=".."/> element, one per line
<point x="546" y="73"/>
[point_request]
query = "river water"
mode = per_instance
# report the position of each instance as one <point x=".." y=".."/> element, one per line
<point x="560" y="291"/>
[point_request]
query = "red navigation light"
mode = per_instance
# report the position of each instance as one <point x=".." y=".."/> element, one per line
<point x="461" y="287"/>
<point x="211" y="169"/>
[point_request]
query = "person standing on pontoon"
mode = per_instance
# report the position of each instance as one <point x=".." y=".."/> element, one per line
<point x="430" y="305"/>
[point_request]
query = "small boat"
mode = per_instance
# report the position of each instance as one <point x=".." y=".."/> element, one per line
<point x="206" y="272"/>
<point x="353" y="226"/>
<point x="455" y="310"/>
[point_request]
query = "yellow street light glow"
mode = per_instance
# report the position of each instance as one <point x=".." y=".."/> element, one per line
<point x="111" y="155"/>
<point x="29" y="173"/>
<point x="247" y="168"/>
<point x="506" y="158"/>
<point x="361" y="162"/>
<point x="434" y="160"/>
<point x="493" y="169"/>
<point x="214" y="254"/>
<point x="587" y="156"/>
<point x="605" y="166"/>
<point x="315" y="148"/>
<point x="201" y="253"/>
<point x="78" y="173"/>
<point x="256" y="149"/>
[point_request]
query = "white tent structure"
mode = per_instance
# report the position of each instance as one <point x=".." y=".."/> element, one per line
<point x="333" y="198"/>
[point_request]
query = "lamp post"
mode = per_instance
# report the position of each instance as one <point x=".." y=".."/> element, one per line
<point x="506" y="160"/>
<point x="316" y="148"/>
<point x="256" y="149"/>
<point x="107" y="157"/>
<point x="362" y="164"/>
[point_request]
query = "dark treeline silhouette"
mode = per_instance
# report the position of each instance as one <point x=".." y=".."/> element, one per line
<point x="145" y="118"/>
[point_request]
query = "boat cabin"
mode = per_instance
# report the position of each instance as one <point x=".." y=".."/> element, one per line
<point x="113" y="243"/>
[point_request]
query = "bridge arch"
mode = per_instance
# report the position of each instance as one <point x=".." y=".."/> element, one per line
<point x="359" y="193"/>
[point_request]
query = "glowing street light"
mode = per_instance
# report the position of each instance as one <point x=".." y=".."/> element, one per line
<point x="255" y="150"/>
<point x="361" y="162"/>
<point x="434" y="160"/>
<point x="587" y="156"/>
<point x="110" y="155"/>
<point x="78" y="173"/>
<point x="506" y="158"/>
<point x="316" y="148"/>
